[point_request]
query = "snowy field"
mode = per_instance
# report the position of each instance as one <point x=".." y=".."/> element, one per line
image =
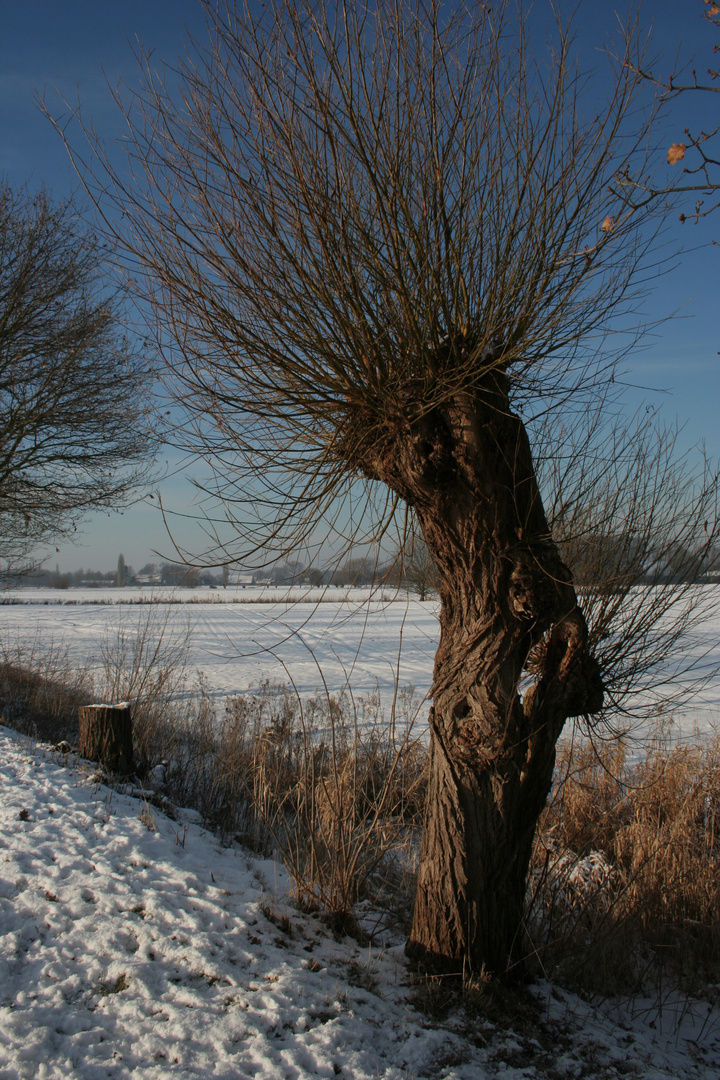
<point x="240" y="636"/>
<point x="132" y="945"/>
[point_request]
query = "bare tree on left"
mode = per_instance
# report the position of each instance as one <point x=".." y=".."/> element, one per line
<point x="75" y="433"/>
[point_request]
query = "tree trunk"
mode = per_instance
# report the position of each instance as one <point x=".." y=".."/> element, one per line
<point x="508" y="613"/>
<point x="106" y="736"/>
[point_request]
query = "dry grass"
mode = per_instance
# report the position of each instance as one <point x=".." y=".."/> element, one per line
<point x="41" y="691"/>
<point x="145" y="661"/>
<point x="317" y="780"/>
<point x="325" y="781"/>
<point x="342" y="798"/>
<point x="625" y="886"/>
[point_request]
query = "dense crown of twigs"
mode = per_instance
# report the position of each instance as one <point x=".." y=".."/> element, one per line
<point x="74" y="433"/>
<point x="345" y="215"/>
<point x="342" y="212"/>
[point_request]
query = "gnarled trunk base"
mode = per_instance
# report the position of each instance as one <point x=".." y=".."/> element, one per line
<point x="476" y="847"/>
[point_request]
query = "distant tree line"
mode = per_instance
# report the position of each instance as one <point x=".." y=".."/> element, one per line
<point x="151" y="573"/>
<point x="602" y="564"/>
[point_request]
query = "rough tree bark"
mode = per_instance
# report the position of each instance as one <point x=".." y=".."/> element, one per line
<point x="106" y="736"/>
<point x="467" y="470"/>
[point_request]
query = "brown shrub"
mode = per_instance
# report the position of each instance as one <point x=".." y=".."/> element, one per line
<point x="625" y="884"/>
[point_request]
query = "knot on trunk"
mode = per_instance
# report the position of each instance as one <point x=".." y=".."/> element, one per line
<point x="533" y="589"/>
<point x="522" y="592"/>
<point x="571" y="683"/>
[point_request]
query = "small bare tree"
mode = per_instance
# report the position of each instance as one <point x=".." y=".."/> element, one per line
<point x="122" y="571"/>
<point x="415" y="566"/>
<point x="74" y="433"/>
<point x="380" y="242"/>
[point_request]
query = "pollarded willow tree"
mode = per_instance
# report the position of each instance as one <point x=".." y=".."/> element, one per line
<point x="374" y="238"/>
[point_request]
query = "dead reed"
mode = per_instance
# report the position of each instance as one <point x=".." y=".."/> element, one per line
<point x="317" y="780"/>
<point x="41" y="691"/>
<point x="625" y="884"/>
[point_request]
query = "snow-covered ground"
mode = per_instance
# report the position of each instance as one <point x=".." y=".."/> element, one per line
<point x="133" y="945"/>
<point x="336" y="638"/>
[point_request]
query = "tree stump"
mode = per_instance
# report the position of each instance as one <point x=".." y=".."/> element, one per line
<point x="106" y="736"/>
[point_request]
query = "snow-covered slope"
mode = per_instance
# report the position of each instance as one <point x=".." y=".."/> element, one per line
<point x="134" y="945"/>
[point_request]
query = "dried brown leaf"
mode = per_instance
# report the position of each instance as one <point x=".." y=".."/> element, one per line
<point x="676" y="153"/>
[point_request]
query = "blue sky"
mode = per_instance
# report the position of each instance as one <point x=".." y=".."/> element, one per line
<point x="75" y="48"/>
